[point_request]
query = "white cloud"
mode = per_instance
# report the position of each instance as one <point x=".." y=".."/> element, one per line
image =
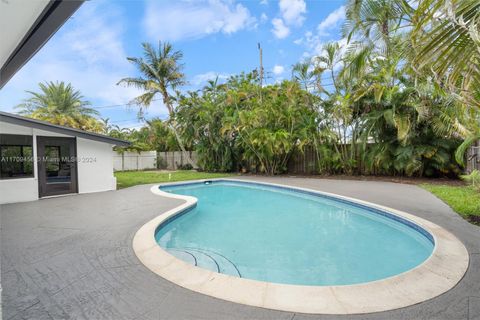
<point x="331" y="21"/>
<point x="278" y="70"/>
<point x="263" y="17"/>
<point x="181" y="20"/>
<point x="280" y="30"/>
<point x="156" y="109"/>
<point x="317" y="46"/>
<point x="264" y="2"/>
<point x="314" y="41"/>
<point x="291" y="14"/>
<point x="293" y="11"/>
<point x="87" y="52"/>
<point x="298" y="41"/>
<point x="201" y="79"/>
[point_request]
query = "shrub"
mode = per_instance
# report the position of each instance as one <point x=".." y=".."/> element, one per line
<point x="186" y="166"/>
<point x="161" y="163"/>
<point x="473" y="179"/>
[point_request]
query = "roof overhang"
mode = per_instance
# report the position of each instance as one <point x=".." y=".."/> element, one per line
<point x="43" y="125"/>
<point x="25" y="26"/>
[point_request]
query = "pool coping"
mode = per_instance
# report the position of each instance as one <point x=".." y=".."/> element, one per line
<point x="439" y="273"/>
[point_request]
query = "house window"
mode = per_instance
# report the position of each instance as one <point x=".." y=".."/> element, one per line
<point x="16" y="153"/>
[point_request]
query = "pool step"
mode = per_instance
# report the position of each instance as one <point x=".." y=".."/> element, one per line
<point x="183" y="255"/>
<point x="206" y="259"/>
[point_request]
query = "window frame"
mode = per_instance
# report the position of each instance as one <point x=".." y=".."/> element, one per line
<point x="21" y="145"/>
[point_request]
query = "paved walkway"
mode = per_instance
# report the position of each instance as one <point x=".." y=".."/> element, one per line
<point x="71" y="258"/>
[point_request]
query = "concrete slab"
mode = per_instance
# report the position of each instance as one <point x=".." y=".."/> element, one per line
<point x="71" y="258"/>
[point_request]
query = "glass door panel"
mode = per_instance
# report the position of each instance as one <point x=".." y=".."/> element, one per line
<point x="56" y="166"/>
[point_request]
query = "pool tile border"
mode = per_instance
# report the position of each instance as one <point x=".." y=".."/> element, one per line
<point x="436" y="275"/>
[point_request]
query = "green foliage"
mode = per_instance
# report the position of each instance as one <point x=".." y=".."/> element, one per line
<point x="61" y="104"/>
<point x="400" y="98"/>
<point x="186" y="166"/>
<point x="161" y="75"/>
<point x="154" y="135"/>
<point x="473" y="179"/>
<point x="271" y="125"/>
<point x="464" y="200"/>
<point x="449" y="48"/>
<point x="467" y="143"/>
<point x="161" y="163"/>
<point x="201" y="117"/>
<point x="241" y="125"/>
<point x="372" y="106"/>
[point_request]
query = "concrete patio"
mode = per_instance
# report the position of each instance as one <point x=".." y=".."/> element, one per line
<point x="71" y="258"/>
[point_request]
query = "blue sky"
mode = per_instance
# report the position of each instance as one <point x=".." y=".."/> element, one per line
<point x="217" y="37"/>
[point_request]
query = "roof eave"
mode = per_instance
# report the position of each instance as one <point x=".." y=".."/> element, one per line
<point x="43" y="125"/>
<point x="44" y="27"/>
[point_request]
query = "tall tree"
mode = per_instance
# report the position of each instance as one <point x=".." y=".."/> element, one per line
<point x="161" y="74"/>
<point x="308" y="75"/>
<point x="446" y="39"/>
<point x="375" y="21"/>
<point x="59" y="103"/>
<point x="446" y="42"/>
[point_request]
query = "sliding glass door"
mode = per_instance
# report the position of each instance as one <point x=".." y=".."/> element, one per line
<point x="57" y="166"/>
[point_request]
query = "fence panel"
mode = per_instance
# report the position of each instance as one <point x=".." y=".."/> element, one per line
<point x="302" y="162"/>
<point x="299" y="163"/>
<point x="173" y="159"/>
<point x="134" y="160"/>
<point x="305" y="162"/>
<point x="473" y="158"/>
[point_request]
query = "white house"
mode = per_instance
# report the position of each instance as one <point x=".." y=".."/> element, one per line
<point x="39" y="159"/>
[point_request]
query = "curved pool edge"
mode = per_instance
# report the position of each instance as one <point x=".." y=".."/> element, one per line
<point x="439" y="273"/>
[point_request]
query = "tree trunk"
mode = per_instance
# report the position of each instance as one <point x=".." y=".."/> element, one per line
<point x="173" y="125"/>
<point x="182" y="147"/>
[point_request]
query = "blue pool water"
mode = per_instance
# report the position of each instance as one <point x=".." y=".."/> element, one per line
<point x="285" y="236"/>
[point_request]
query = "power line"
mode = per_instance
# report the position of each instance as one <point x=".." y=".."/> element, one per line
<point x="127" y="120"/>
<point x="120" y="105"/>
<point x="111" y="106"/>
<point x="261" y="64"/>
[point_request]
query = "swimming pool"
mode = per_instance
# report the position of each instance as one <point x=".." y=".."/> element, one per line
<point x="285" y="236"/>
<point x="270" y="258"/>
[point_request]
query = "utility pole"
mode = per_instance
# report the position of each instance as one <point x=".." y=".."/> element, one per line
<point x="261" y="64"/>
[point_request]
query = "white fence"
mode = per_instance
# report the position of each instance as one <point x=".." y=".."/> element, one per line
<point x="151" y="160"/>
<point x="134" y="160"/>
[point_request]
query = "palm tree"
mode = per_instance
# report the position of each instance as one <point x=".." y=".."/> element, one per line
<point x="161" y="73"/>
<point x="329" y="60"/>
<point x="308" y="75"/>
<point x="160" y="136"/>
<point x="446" y="40"/>
<point x="376" y="20"/>
<point x="60" y="103"/>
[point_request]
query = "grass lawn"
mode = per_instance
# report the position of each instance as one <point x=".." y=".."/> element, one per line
<point x="464" y="200"/>
<point x="131" y="178"/>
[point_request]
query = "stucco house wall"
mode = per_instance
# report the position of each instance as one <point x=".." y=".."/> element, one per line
<point x="94" y="166"/>
<point x="22" y="189"/>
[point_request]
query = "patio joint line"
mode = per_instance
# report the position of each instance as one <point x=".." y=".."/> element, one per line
<point x="25" y="309"/>
<point x="69" y="284"/>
